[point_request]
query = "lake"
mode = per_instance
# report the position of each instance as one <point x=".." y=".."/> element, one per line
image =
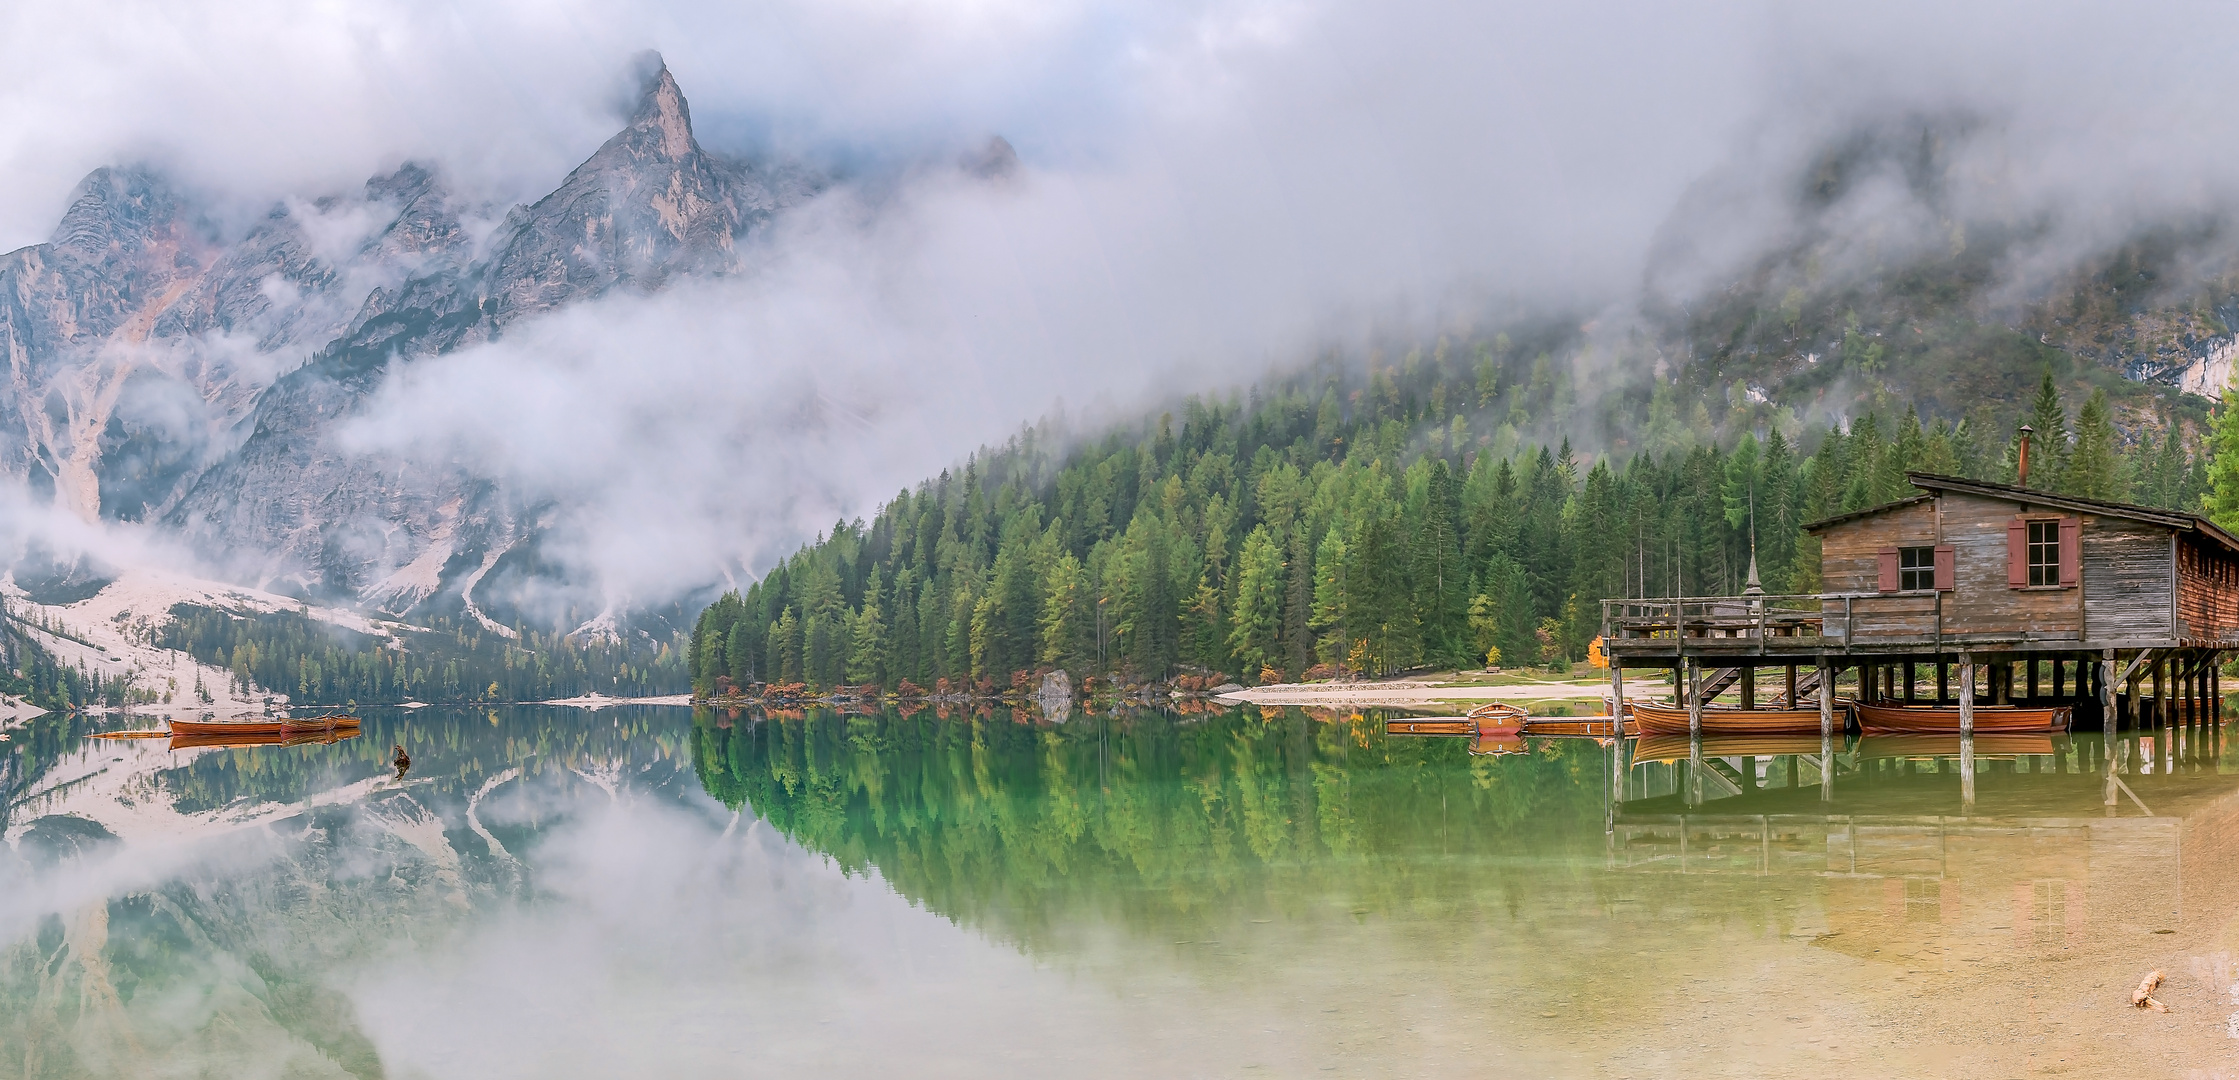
<point x="1256" y="892"/>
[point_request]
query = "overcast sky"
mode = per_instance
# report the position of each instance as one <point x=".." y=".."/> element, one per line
<point x="1209" y="189"/>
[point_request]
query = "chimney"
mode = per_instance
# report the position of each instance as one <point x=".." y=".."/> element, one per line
<point x="2022" y="480"/>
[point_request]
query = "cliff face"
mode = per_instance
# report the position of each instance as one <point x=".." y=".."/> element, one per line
<point x="155" y="372"/>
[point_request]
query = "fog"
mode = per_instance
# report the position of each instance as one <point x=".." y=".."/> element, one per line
<point x="1208" y="190"/>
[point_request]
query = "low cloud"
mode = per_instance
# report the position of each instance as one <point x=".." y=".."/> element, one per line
<point x="1209" y="189"/>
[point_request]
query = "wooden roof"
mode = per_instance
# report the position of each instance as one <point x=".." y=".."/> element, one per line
<point x="1930" y="482"/>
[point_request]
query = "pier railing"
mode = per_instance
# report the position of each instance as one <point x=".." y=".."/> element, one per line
<point x="1771" y="621"/>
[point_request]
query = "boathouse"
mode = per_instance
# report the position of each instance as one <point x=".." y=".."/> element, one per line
<point x="2116" y="611"/>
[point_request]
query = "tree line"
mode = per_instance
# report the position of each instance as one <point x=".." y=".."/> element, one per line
<point x="1315" y="529"/>
<point x="313" y="662"/>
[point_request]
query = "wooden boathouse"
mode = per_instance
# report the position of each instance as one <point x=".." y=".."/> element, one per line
<point x="1968" y="594"/>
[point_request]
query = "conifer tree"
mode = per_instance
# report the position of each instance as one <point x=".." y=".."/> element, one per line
<point x="2222" y="500"/>
<point x="2093" y="469"/>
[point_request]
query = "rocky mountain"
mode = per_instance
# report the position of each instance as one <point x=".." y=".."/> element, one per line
<point x="159" y="371"/>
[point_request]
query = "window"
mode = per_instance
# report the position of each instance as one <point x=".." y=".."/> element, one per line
<point x="1916" y="569"/>
<point x="2044" y="552"/>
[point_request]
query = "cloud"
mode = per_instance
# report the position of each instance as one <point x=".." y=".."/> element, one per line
<point x="1209" y="188"/>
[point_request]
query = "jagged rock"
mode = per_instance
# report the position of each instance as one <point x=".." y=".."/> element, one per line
<point x="649" y="205"/>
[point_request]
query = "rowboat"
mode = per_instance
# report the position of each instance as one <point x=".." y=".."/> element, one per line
<point x="282" y="727"/>
<point x="1727" y="720"/>
<point x="1944" y="719"/>
<point x="1499" y="716"/>
<point x="1431" y="725"/>
<point x="307" y="738"/>
<point x="1594" y="727"/>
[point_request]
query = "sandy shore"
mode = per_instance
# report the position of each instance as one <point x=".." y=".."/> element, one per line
<point x="602" y="701"/>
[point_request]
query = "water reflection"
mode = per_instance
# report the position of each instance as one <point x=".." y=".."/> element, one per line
<point x="550" y="892"/>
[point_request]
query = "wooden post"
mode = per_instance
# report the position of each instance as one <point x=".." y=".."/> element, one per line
<point x="2031" y="661"/>
<point x="2160" y="687"/>
<point x="1791" y="698"/>
<point x="1616" y="698"/>
<point x="1909" y="689"/>
<point x="1943" y="681"/>
<point x="2057" y="690"/>
<point x="1748" y="686"/>
<point x="1826" y="699"/>
<point x="1966" y="693"/>
<point x="2107" y="718"/>
<point x="1694" y="698"/>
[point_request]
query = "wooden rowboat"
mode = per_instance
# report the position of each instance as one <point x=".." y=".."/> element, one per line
<point x="1499" y="716"/>
<point x="1727" y="720"/>
<point x="307" y="738"/>
<point x="1944" y="719"/>
<point x="280" y="728"/>
<point x="1432" y="725"/>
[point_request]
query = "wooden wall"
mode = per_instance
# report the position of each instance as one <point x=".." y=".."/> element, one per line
<point x="2207" y="590"/>
<point x="2126" y="580"/>
<point x="1975" y="527"/>
<point x="2123" y="596"/>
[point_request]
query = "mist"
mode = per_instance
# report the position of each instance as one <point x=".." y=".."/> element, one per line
<point x="1207" y="191"/>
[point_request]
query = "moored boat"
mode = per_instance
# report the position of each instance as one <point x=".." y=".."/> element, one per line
<point x="1431" y="725"/>
<point x="1944" y="719"/>
<point x="1499" y="716"/>
<point x="281" y="727"/>
<point x="184" y="741"/>
<point x="1727" y="720"/>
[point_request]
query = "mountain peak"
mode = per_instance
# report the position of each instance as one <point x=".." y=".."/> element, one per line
<point x="661" y="107"/>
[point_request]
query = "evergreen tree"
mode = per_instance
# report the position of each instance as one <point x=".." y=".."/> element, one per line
<point x="2094" y="468"/>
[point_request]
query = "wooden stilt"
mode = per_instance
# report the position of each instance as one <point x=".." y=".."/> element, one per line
<point x="1826" y="731"/>
<point x="1791" y="697"/>
<point x="1617" y="695"/>
<point x="1943" y="682"/>
<point x="2031" y="663"/>
<point x="1694" y="698"/>
<point x="2107" y="717"/>
<point x="1748" y="687"/>
<point x="1966" y="694"/>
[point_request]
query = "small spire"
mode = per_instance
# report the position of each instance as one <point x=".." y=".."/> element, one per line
<point x="1753" y="588"/>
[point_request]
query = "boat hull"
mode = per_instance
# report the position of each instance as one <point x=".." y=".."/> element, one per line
<point x="1672" y="720"/>
<point x="1440" y="725"/>
<point x="1944" y="720"/>
<point x="275" y="728"/>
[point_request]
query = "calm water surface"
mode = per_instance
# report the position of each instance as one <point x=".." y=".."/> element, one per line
<point x="650" y="891"/>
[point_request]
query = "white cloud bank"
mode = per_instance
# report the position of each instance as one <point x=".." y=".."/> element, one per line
<point x="1209" y="188"/>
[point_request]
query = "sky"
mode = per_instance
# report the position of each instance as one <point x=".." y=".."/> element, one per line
<point x="1209" y="189"/>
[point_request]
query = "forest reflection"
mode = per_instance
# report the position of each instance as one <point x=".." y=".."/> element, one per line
<point x="1149" y="817"/>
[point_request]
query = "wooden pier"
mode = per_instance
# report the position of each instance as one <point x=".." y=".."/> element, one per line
<point x="1969" y="595"/>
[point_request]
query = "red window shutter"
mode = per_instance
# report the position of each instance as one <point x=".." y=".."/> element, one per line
<point x="1889" y="569"/>
<point x="2071" y="552"/>
<point x="1947" y="569"/>
<point x="2017" y="554"/>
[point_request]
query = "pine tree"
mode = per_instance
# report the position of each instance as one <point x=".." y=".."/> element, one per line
<point x="2094" y="469"/>
<point x="2222" y="500"/>
<point x="1255" y="633"/>
<point x="2048" y="443"/>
